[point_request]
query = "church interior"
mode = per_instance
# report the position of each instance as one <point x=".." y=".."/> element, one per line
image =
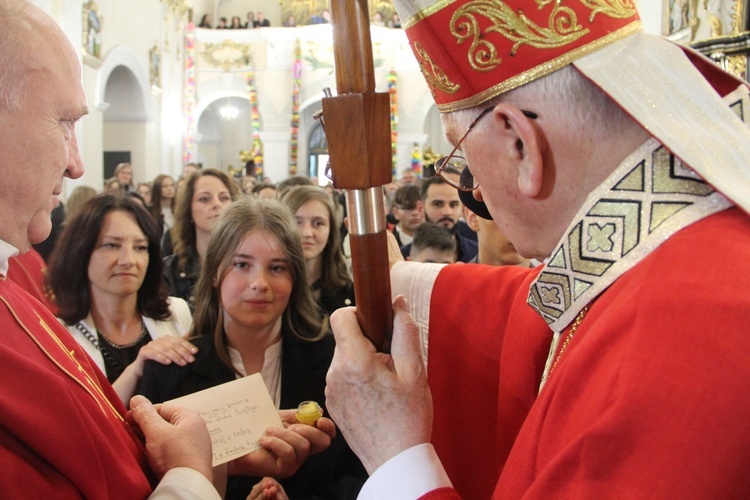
<point x="163" y="92"/>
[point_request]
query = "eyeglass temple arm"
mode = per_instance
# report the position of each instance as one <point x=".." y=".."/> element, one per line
<point x="358" y="131"/>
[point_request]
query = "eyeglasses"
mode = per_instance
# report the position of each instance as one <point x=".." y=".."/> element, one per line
<point x="456" y="165"/>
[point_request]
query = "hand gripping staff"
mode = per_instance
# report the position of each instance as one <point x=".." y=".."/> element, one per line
<point x="358" y="130"/>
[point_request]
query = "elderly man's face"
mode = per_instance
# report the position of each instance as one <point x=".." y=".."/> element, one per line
<point x="38" y="145"/>
<point x="408" y="177"/>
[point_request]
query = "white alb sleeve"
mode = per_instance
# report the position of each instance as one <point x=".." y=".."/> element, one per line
<point x="415" y="281"/>
<point x="407" y="476"/>
<point x="182" y="483"/>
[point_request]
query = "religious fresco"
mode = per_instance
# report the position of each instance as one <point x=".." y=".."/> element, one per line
<point x="701" y="19"/>
<point x="92" y="29"/>
<point x="312" y="11"/>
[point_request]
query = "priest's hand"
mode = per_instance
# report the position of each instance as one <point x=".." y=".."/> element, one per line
<point x="175" y="436"/>
<point x="381" y="402"/>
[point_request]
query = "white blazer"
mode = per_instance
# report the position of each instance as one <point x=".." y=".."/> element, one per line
<point x="177" y="325"/>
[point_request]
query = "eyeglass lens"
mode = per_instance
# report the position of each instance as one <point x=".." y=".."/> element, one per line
<point x="456" y="165"/>
<point x="466" y="180"/>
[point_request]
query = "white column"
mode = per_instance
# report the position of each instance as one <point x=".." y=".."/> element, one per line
<point x="276" y="155"/>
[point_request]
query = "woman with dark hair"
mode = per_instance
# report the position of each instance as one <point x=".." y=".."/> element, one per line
<point x="162" y="202"/>
<point x="205" y="22"/>
<point x="105" y="273"/>
<point x="200" y="203"/>
<point x="326" y="268"/>
<point x="255" y="314"/>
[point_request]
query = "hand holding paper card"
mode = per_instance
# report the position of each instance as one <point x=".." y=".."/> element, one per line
<point x="237" y="414"/>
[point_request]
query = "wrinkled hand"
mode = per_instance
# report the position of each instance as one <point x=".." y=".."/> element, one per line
<point x="285" y="449"/>
<point x="267" y="489"/>
<point x="165" y="350"/>
<point x="381" y="403"/>
<point x="175" y="436"/>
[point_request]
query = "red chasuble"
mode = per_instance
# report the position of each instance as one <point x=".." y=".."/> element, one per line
<point x="28" y="270"/>
<point x="650" y="399"/>
<point x="61" y="428"/>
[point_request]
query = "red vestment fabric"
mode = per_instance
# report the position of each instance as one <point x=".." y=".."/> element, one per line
<point x="59" y="437"/>
<point x="28" y="271"/>
<point x="650" y="399"/>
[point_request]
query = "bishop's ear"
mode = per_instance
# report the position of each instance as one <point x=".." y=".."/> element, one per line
<point x="526" y="147"/>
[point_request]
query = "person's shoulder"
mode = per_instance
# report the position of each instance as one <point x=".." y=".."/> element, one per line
<point x="179" y="307"/>
<point x="170" y="260"/>
<point x="406" y="250"/>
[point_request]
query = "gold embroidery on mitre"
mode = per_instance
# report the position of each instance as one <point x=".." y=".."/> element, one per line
<point x="541" y="70"/>
<point x="562" y="29"/>
<point x="436" y="78"/>
<point x="618" y="9"/>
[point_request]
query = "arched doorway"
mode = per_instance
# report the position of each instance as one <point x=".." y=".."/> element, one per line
<point x="317" y="154"/>
<point x="224" y="129"/>
<point x="123" y="133"/>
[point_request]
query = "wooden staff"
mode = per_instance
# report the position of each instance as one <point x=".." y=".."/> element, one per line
<point x="358" y="130"/>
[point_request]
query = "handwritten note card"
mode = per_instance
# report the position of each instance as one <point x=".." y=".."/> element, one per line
<point x="237" y="413"/>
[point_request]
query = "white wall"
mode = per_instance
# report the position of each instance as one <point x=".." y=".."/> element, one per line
<point x="157" y="142"/>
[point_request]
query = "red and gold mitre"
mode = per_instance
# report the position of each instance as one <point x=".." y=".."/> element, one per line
<point x="472" y="50"/>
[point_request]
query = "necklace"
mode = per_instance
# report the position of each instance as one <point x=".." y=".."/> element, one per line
<point x="109" y="359"/>
<point x="569" y="337"/>
<point x="143" y="334"/>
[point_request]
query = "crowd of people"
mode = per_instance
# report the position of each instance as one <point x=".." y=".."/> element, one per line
<point x="152" y="279"/>
<point x="252" y="20"/>
<point x="259" y="20"/>
<point x="188" y="283"/>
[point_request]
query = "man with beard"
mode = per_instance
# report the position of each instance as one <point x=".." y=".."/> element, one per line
<point x="442" y="206"/>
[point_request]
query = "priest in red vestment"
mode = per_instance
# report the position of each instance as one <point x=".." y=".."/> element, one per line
<point x="620" y="367"/>
<point x="63" y="431"/>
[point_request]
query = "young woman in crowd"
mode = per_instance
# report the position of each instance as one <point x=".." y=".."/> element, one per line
<point x="205" y="22"/>
<point x="206" y="194"/>
<point x="324" y="259"/>
<point x="112" y="185"/>
<point x="144" y="191"/>
<point x="78" y="197"/>
<point x="105" y="273"/>
<point x="162" y="202"/>
<point x="255" y="314"/>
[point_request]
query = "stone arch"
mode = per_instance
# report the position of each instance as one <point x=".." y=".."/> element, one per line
<point x="123" y="88"/>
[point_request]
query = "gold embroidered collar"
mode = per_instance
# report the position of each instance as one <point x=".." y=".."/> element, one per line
<point x="648" y="198"/>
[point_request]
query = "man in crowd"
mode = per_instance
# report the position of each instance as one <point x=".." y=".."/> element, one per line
<point x="620" y="367"/>
<point x="495" y="249"/>
<point x="408" y="176"/>
<point x="442" y="206"/>
<point x="261" y="21"/>
<point x="433" y="244"/>
<point x="189" y="169"/>
<point x="63" y="431"/>
<point x="407" y="212"/>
